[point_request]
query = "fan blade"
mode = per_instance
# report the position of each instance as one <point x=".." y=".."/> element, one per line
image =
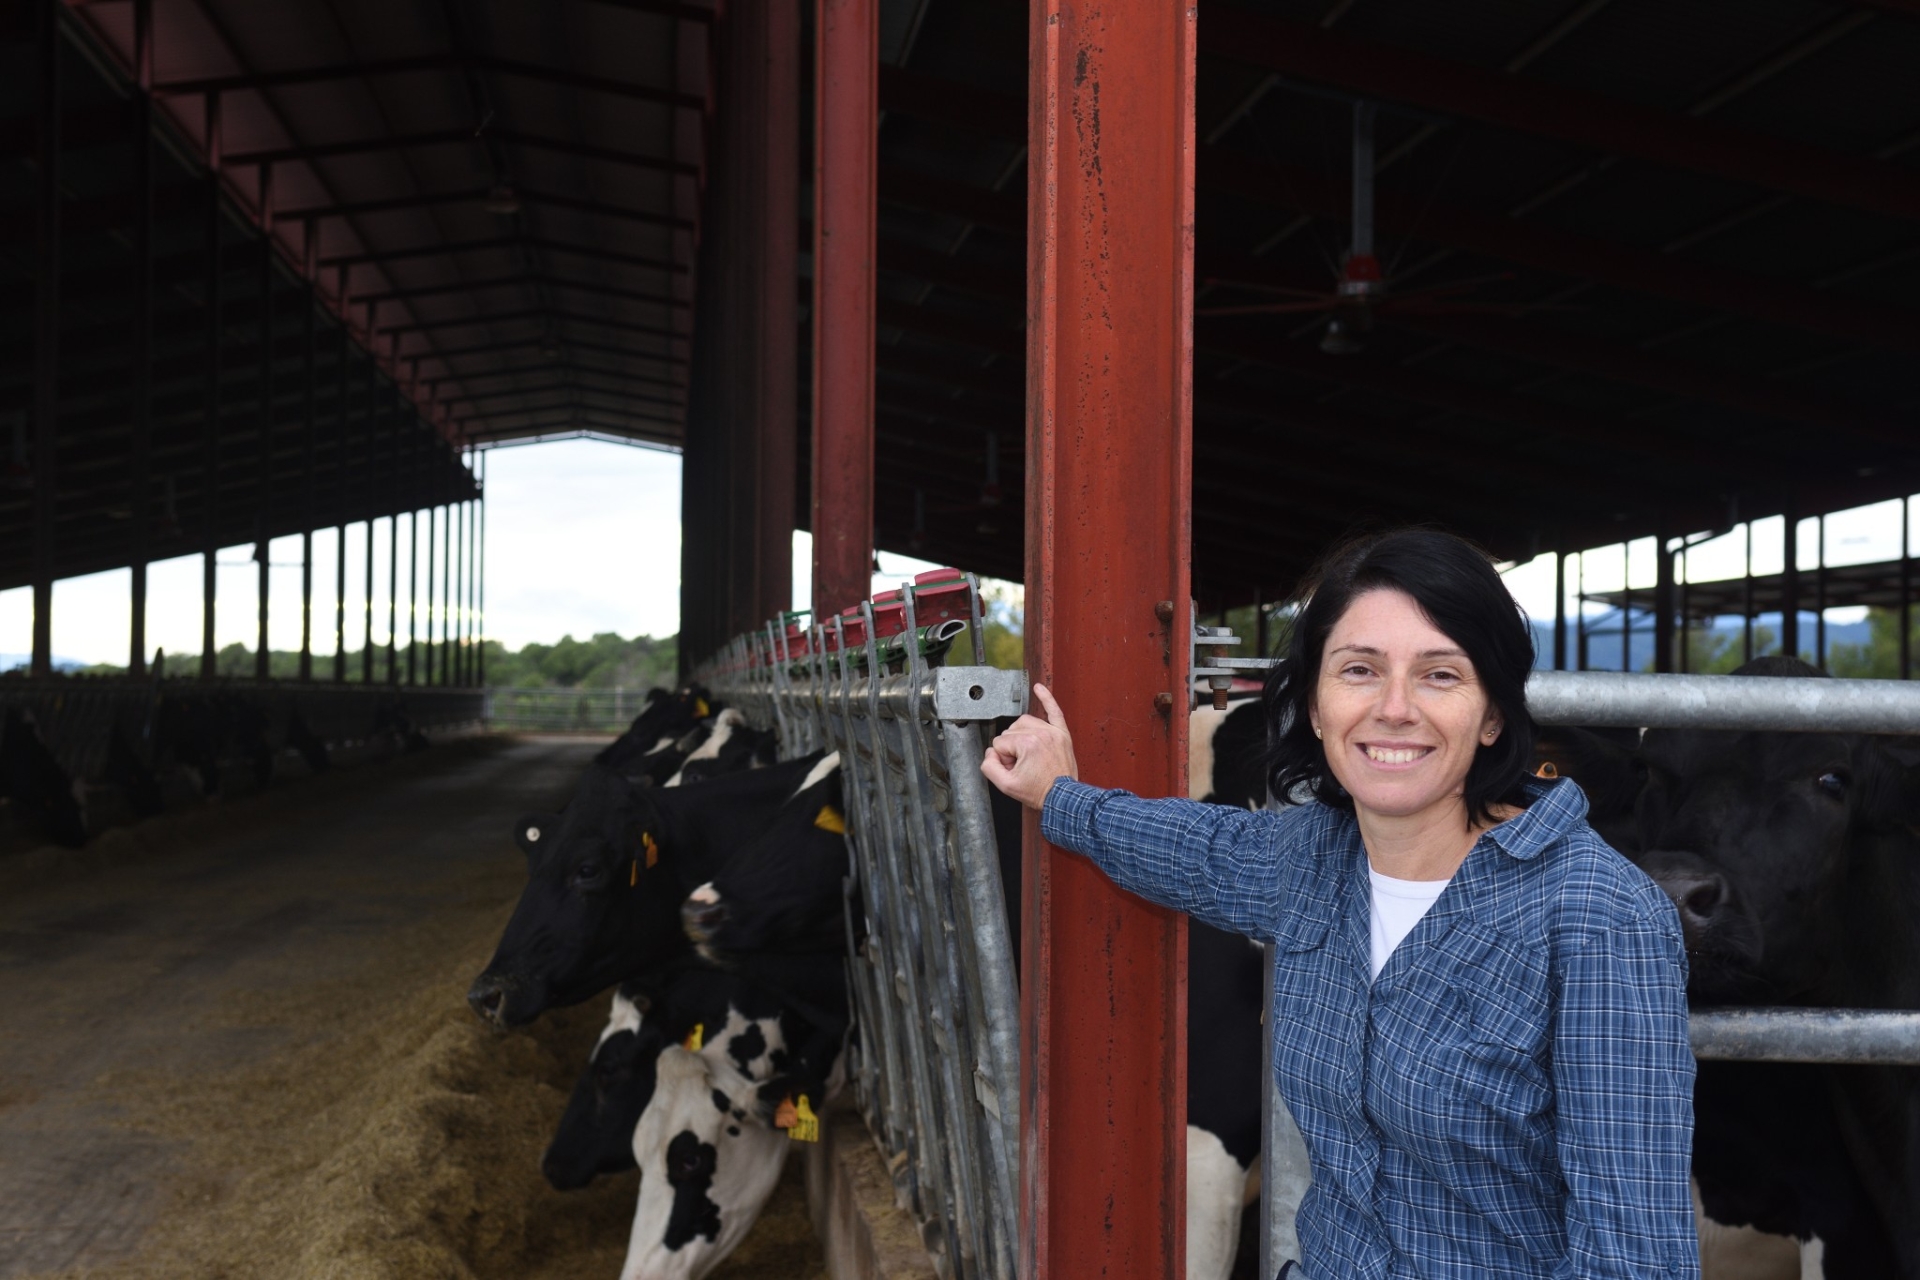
<point x="1252" y="287"/>
<point x="1442" y="306"/>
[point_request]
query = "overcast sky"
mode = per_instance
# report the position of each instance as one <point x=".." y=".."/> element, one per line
<point x="584" y="537"/>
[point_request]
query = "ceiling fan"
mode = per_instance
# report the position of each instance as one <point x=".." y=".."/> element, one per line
<point x="1361" y="288"/>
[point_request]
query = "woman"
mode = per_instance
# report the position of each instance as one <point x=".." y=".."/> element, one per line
<point x="1480" y="1021"/>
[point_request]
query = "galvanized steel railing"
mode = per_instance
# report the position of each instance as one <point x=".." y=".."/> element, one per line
<point x="937" y="1070"/>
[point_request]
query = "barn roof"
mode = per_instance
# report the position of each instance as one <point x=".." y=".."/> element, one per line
<point x="1650" y="267"/>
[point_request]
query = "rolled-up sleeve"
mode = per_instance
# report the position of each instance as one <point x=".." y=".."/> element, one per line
<point x="1623" y="1073"/>
<point x="1217" y="864"/>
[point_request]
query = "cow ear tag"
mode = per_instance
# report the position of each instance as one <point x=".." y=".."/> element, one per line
<point x="633" y="874"/>
<point x="797" y="1118"/>
<point x="830" y="819"/>
<point x="700" y="709"/>
<point x="695" y="1038"/>
<point x="652" y="848"/>
<point x="1546" y="770"/>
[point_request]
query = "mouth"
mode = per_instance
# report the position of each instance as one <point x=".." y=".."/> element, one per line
<point x="1395" y="755"/>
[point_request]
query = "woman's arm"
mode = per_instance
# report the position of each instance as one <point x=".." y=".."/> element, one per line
<point x="1623" y="1076"/>
<point x="1217" y="863"/>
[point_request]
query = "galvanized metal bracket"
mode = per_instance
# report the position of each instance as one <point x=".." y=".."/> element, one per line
<point x="962" y="694"/>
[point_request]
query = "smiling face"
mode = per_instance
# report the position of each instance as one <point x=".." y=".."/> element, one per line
<point x="1399" y="709"/>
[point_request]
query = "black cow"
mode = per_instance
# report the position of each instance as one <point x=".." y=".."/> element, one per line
<point x="606" y="879"/>
<point x="43" y="797"/>
<point x="731" y="1019"/>
<point x="1794" y="863"/>
<point x="781" y="893"/>
<point x="666" y="718"/>
<point x="724" y="744"/>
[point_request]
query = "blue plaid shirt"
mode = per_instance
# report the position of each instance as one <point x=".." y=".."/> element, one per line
<point x="1513" y="1097"/>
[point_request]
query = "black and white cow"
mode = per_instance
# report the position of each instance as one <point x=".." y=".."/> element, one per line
<point x="724" y="744"/>
<point x="45" y="800"/>
<point x="606" y="879"/>
<point x="682" y="1083"/>
<point x="650" y="745"/>
<point x="1795" y="866"/>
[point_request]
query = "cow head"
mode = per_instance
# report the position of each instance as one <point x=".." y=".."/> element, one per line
<point x="1754" y="836"/>
<point x="595" y="909"/>
<point x="784" y="891"/>
<point x="595" y="1135"/>
<point x="705" y="1173"/>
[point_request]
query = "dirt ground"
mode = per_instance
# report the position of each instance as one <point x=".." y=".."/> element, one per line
<point x="235" y="1045"/>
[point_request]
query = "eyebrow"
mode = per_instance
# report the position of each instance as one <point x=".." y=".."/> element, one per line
<point x="1372" y="652"/>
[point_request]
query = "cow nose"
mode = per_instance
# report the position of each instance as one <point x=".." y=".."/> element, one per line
<point x="1700" y="896"/>
<point x="702" y="919"/>
<point x="486" y="998"/>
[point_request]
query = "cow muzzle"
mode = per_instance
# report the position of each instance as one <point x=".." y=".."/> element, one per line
<point x="1709" y="916"/>
<point x="492" y="998"/>
<point x="703" y="914"/>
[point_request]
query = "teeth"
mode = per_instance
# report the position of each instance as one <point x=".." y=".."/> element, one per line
<point x="1404" y="755"/>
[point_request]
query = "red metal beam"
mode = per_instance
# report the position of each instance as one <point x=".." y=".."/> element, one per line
<point x="845" y="180"/>
<point x="1305" y="51"/>
<point x="566" y="77"/>
<point x="458" y="137"/>
<point x="1109" y="501"/>
<point x="450" y="247"/>
<point x="777" y="429"/>
<point x="508" y="282"/>
<point x="476" y="195"/>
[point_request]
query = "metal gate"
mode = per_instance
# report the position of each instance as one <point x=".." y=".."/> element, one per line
<point x="937" y="1065"/>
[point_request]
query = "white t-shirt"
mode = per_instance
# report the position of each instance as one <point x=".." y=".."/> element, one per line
<point x="1397" y="907"/>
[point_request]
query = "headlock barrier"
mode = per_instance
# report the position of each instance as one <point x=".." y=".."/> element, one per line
<point x="936" y="1064"/>
<point x="936" y="1068"/>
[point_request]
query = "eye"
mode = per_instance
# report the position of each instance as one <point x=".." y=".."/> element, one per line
<point x="1834" y="782"/>
<point x="589" y="874"/>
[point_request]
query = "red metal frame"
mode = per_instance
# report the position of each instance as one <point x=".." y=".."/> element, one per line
<point x="846" y="133"/>
<point x="1109" y="477"/>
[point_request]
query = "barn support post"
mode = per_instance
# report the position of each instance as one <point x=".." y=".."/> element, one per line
<point x="46" y="332"/>
<point x="446" y="584"/>
<point x="1663" y="594"/>
<point x="1580" y="613"/>
<point x="1109" y="455"/>
<point x="777" y="315"/>
<point x="340" y="492"/>
<point x="1559" y="610"/>
<point x="473" y="542"/>
<point x="433" y="533"/>
<point x="210" y="486"/>
<point x="140" y="528"/>
<point x="1746" y="606"/>
<point x="396" y="418"/>
<point x="263" y="396"/>
<point x="413" y="594"/>
<point x="1820" y="598"/>
<point x="1906" y="588"/>
<point x="480" y="581"/>
<point x="310" y="448"/>
<point x="457" y="611"/>
<point x="367" y="492"/>
<point x="845" y="176"/>
<point x="1686" y="596"/>
<point x="1626" y="606"/>
<point x="1790" y="582"/>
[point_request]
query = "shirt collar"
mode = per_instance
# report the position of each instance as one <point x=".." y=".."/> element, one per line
<point x="1554" y="805"/>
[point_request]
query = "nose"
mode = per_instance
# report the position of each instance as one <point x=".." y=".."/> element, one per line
<point x="559" y="1175"/>
<point x="702" y="919"/>
<point x="1701" y="897"/>
<point x="487" y="996"/>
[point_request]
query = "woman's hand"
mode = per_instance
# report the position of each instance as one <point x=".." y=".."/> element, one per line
<point x="1024" y="761"/>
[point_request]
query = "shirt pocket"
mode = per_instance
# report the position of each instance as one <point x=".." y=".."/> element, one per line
<point x="1496" y="1052"/>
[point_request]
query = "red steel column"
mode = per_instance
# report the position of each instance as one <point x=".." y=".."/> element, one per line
<point x="1109" y="481"/>
<point x="845" y="175"/>
<point x="775" y="452"/>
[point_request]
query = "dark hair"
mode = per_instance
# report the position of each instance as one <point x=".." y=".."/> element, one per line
<point x="1454" y="584"/>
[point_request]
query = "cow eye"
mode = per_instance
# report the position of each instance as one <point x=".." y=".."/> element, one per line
<point x="588" y="874"/>
<point x="1834" y="783"/>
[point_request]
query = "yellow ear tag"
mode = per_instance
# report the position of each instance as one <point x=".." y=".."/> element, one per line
<point x="653" y="849"/>
<point x="806" y="1125"/>
<point x="633" y="875"/>
<point x="695" y="1038"/>
<point x="700" y="709"/>
<point x="830" y="819"/>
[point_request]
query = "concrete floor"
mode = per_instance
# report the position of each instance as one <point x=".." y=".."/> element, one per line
<point x="209" y="1013"/>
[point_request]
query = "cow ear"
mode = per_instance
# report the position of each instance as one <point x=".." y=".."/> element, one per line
<point x="1609" y="771"/>
<point x="532" y="831"/>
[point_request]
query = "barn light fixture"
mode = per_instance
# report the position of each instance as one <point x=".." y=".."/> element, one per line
<point x="502" y="200"/>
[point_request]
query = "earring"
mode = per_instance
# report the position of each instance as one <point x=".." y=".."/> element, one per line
<point x="1316" y="731"/>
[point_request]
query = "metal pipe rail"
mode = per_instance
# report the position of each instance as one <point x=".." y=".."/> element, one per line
<point x="937" y="1069"/>
<point x="1847" y="1036"/>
